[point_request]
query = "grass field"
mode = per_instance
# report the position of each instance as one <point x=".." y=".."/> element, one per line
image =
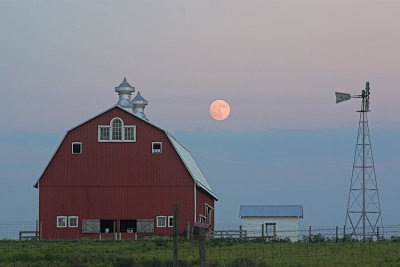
<point x="219" y="253"/>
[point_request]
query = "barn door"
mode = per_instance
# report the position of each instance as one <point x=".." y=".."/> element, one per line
<point x="145" y="226"/>
<point x="90" y="226"/>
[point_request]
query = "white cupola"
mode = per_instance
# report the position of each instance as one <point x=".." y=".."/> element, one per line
<point x="125" y="91"/>
<point x="139" y="104"/>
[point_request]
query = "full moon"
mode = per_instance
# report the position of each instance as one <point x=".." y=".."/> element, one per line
<point x="220" y="110"/>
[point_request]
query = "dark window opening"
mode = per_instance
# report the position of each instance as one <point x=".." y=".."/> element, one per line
<point x="127" y="226"/>
<point x="170" y="221"/>
<point x="76" y="148"/>
<point x="108" y="226"/>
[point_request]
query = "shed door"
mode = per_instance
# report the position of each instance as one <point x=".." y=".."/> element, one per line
<point x="90" y="226"/>
<point x="145" y="226"/>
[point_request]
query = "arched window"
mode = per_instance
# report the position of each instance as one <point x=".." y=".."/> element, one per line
<point x="116" y="129"/>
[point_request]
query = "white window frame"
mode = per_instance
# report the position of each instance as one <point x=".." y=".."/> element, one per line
<point x="134" y="133"/>
<point x="122" y="130"/>
<point x="65" y="220"/>
<point x="153" y="150"/>
<point x="161" y="226"/>
<point x="110" y="132"/>
<point x="202" y="218"/>
<point x="170" y="217"/>
<point x="208" y="219"/>
<point x="99" y="131"/>
<point x="69" y="221"/>
<point x="72" y="147"/>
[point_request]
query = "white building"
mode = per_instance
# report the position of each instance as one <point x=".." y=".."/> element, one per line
<point x="272" y="221"/>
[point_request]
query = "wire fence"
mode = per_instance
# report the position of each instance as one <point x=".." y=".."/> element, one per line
<point x="296" y="233"/>
<point x="253" y="246"/>
<point x="11" y="230"/>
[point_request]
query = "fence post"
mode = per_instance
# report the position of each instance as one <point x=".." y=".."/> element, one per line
<point x="309" y="234"/>
<point x="377" y="233"/>
<point x="202" y="247"/>
<point x="176" y="231"/>
<point x="337" y="233"/>
<point x="40" y="233"/>
<point x="240" y="234"/>
<point x="344" y="232"/>
<point x="187" y="231"/>
<point x="262" y="230"/>
<point x="37" y="230"/>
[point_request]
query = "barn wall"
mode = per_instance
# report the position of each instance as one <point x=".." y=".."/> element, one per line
<point x="285" y="226"/>
<point x="115" y="180"/>
<point x="204" y="198"/>
<point x="111" y="203"/>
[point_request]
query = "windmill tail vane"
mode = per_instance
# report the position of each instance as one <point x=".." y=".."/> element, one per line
<point x="341" y="97"/>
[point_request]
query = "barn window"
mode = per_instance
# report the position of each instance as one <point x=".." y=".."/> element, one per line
<point x="104" y="133"/>
<point x="73" y="221"/>
<point x="161" y="221"/>
<point x="156" y="147"/>
<point x="61" y="221"/>
<point x="129" y="133"/>
<point x="202" y="218"/>
<point x="76" y="148"/>
<point x="116" y="131"/>
<point x="170" y="221"/>
<point x="116" y="127"/>
<point x="208" y="212"/>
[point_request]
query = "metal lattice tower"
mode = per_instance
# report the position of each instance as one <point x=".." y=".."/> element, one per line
<point x="363" y="214"/>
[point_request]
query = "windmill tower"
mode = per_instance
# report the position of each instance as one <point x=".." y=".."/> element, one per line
<point x="363" y="214"/>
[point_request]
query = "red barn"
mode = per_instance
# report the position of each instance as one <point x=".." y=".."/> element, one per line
<point x="117" y="175"/>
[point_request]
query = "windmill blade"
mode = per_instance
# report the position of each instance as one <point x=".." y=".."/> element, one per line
<point x="340" y="97"/>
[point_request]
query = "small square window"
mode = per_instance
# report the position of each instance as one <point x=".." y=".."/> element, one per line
<point x="170" y="221"/>
<point x="156" y="147"/>
<point x="61" y="221"/>
<point x="76" y="148"/>
<point x="73" y="221"/>
<point x="161" y="221"/>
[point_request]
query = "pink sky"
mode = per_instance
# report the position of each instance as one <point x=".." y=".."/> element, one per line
<point x="278" y="63"/>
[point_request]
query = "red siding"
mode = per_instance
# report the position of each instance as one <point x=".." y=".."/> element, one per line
<point x="113" y="180"/>
<point x="203" y="198"/>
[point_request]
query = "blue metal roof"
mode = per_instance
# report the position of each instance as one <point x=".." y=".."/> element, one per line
<point x="271" y="211"/>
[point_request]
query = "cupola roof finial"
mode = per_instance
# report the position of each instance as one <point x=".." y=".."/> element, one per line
<point x="124" y="91"/>
<point x="139" y="104"/>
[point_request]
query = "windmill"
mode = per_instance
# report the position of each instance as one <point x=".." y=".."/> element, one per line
<point x="363" y="214"/>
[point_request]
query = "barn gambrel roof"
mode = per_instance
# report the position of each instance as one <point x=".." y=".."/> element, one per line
<point x="271" y="211"/>
<point x="183" y="153"/>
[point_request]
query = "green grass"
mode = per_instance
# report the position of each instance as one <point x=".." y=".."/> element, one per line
<point x="219" y="253"/>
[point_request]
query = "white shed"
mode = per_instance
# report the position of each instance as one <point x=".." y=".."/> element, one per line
<point x="272" y="221"/>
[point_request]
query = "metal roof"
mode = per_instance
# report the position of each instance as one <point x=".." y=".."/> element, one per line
<point x="191" y="165"/>
<point x="138" y="99"/>
<point x="124" y="83"/>
<point x="271" y="211"/>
